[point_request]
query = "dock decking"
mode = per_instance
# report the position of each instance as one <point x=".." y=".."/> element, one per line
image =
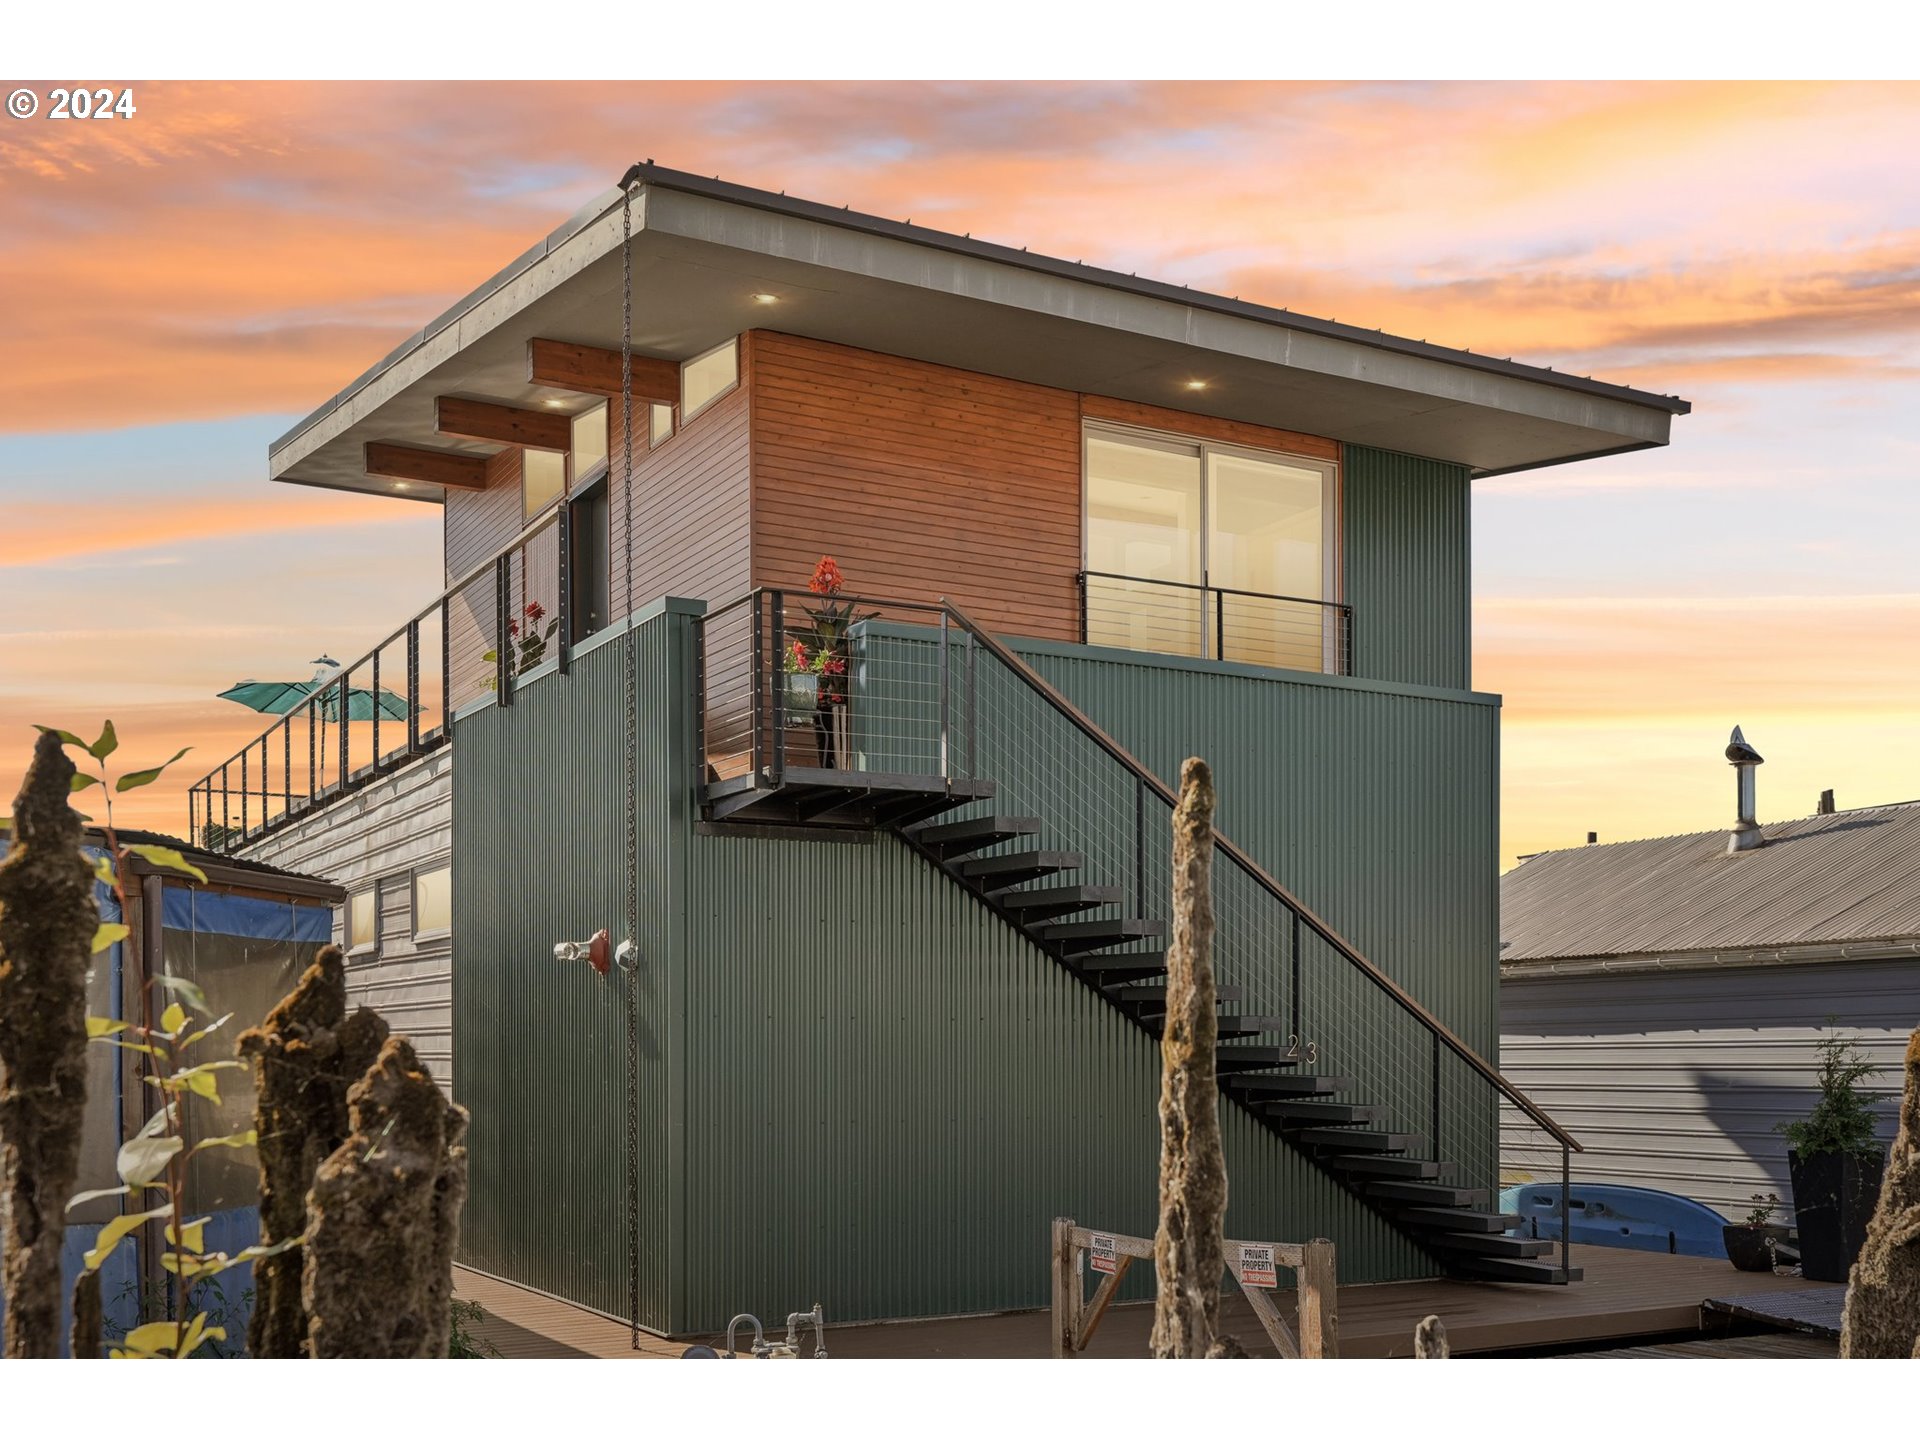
<point x="1626" y="1295"/>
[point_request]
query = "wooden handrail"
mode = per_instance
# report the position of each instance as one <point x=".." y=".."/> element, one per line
<point x="1085" y="723"/>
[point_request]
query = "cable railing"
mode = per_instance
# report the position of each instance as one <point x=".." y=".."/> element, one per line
<point x="1211" y="622"/>
<point x="924" y="691"/>
<point x="394" y="703"/>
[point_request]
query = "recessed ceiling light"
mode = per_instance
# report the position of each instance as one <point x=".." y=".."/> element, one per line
<point x="763" y="298"/>
<point x="399" y="484"/>
<point x="1196" y="384"/>
<point x="554" y="404"/>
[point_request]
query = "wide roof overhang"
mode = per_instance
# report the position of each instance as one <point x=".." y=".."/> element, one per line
<point x="704" y="250"/>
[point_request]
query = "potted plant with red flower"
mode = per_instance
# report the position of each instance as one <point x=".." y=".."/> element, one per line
<point x="816" y="665"/>
<point x="527" y="641"/>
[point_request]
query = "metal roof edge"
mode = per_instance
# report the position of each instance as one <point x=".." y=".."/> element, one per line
<point x="1645" y="962"/>
<point x="649" y="174"/>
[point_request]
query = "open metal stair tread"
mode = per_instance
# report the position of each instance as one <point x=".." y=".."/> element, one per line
<point x="1253" y="1057"/>
<point x="1125" y="966"/>
<point x="839" y="798"/>
<point x="1322" y="1112"/>
<point x="1075" y="935"/>
<point x="1414" y="1192"/>
<point x="1002" y="872"/>
<point x="1392" y="1165"/>
<point x="1059" y="900"/>
<point x="1382" y="1141"/>
<point x="1487" y="1221"/>
<point x="961" y="837"/>
<point x="1479" y="1243"/>
<point x="1151" y="999"/>
<point x="1262" y="1087"/>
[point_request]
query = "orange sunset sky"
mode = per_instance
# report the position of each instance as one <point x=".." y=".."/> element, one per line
<point x="180" y="287"/>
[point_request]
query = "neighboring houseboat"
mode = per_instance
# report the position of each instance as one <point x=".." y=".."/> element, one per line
<point x="885" y="842"/>
<point x="1664" y="997"/>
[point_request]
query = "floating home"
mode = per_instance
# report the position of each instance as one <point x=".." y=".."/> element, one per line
<point x="778" y="832"/>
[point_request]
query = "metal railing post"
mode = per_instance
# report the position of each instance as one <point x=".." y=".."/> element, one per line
<point x="286" y="763"/>
<point x="193" y="816"/>
<point x="946" y="772"/>
<point x="1566" y="1235"/>
<point x="503" y="639"/>
<point x="446" y="667"/>
<point x="246" y="790"/>
<point x="1219" y="624"/>
<point x="777" y="687"/>
<point x="973" y="722"/>
<point x="564" y="544"/>
<point x="1297" y="1028"/>
<point x="413" y="686"/>
<point x="756" y="692"/>
<point x="346" y="707"/>
<point x="699" y="704"/>
<point x="226" y="810"/>
<point x="376" y="712"/>
<point x="313" y="756"/>
<point x="1433" y="1136"/>
<point x="1140" y="846"/>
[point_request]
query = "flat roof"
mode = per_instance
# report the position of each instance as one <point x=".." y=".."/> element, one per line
<point x="703" y="245"/>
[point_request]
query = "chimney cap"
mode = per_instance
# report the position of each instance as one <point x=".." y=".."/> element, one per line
<point x="1741" y="753"/>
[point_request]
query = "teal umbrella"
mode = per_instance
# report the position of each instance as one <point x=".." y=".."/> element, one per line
<point x="281" y="697"/>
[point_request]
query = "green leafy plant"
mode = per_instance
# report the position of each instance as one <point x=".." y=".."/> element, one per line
<point x="155" y="1160"/>
<point x="464" y="1340"/>
<point x="1763" y="1206"/>
<point x="1842" y="1119"/>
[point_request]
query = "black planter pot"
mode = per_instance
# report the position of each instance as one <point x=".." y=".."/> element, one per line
<point x="1833" y="1199"/>
<point x="1750" y="1247"/>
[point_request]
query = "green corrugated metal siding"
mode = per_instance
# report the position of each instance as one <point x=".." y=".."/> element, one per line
<point x="874" y="1094"/>
<point x="538" y="835"/>
<point x="1406" y="528"/>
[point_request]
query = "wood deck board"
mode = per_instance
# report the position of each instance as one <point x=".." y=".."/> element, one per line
<point x="1626" y="1294"/>
<point x="1730" y="1347"/>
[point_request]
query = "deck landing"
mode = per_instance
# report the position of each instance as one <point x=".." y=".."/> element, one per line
<point x="1627" y="1295"/>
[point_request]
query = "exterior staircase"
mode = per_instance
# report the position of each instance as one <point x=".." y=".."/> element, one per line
<point x="1082" y="926"/>
<point x="952" y="743"/>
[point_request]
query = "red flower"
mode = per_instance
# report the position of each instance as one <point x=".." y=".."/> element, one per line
<point x="799" y="655"/>
<point x="535" y="610"/>
<point x="833" y="665"/>
<point x="827" y="578"/>
<point x="513" y="627"/>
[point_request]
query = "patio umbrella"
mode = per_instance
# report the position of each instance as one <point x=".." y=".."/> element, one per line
<point x="282" y="697"/>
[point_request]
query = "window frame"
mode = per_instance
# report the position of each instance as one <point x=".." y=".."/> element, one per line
<point x="684" y="413"/>
<point x="1333" y="498"/>
<point x="1332" y="577"/>
<point x="413" y="899"/>
<point x="370" y="891"/>
<point x="527" y="517"/>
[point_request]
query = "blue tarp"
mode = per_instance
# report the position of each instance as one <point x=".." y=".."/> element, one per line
<point x="246" y="916"/>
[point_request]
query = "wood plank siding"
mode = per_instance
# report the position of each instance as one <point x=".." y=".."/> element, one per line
<point x="920" y="480"/>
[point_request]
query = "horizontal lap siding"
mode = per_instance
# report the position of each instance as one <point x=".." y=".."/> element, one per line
<point x="922" y="481"/>
<point x="383" y="834"/>
<point x="1677" y="1081"/>
<point x="477" y="523"/>
<point x="690" y="515"/>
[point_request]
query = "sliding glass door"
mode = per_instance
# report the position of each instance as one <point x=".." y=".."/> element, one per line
<point x="1198" y="549"/>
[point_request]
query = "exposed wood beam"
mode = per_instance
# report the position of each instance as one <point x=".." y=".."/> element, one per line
<point x="502" y="424"/>
<point x="565" y="366"/>
<point x="428" y="467"/>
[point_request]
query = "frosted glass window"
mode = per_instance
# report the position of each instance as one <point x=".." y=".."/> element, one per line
<point x="589" y="441"/>
<point x="363" y="920"/>
<point x="543" y="480"/>
<point x="659" y="424"/>
<point x="433" y="901"/>
<point x="705" y="378"/>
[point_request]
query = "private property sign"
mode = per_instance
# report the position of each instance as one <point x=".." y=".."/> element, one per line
<point x="1256" y="1266"/>
<point x="1100" y="1247"/>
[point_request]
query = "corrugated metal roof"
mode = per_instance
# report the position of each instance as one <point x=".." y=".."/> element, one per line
<point x="1849" y="877"/>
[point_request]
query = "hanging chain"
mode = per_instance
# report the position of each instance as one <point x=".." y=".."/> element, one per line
<point x="632" y="859"/>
